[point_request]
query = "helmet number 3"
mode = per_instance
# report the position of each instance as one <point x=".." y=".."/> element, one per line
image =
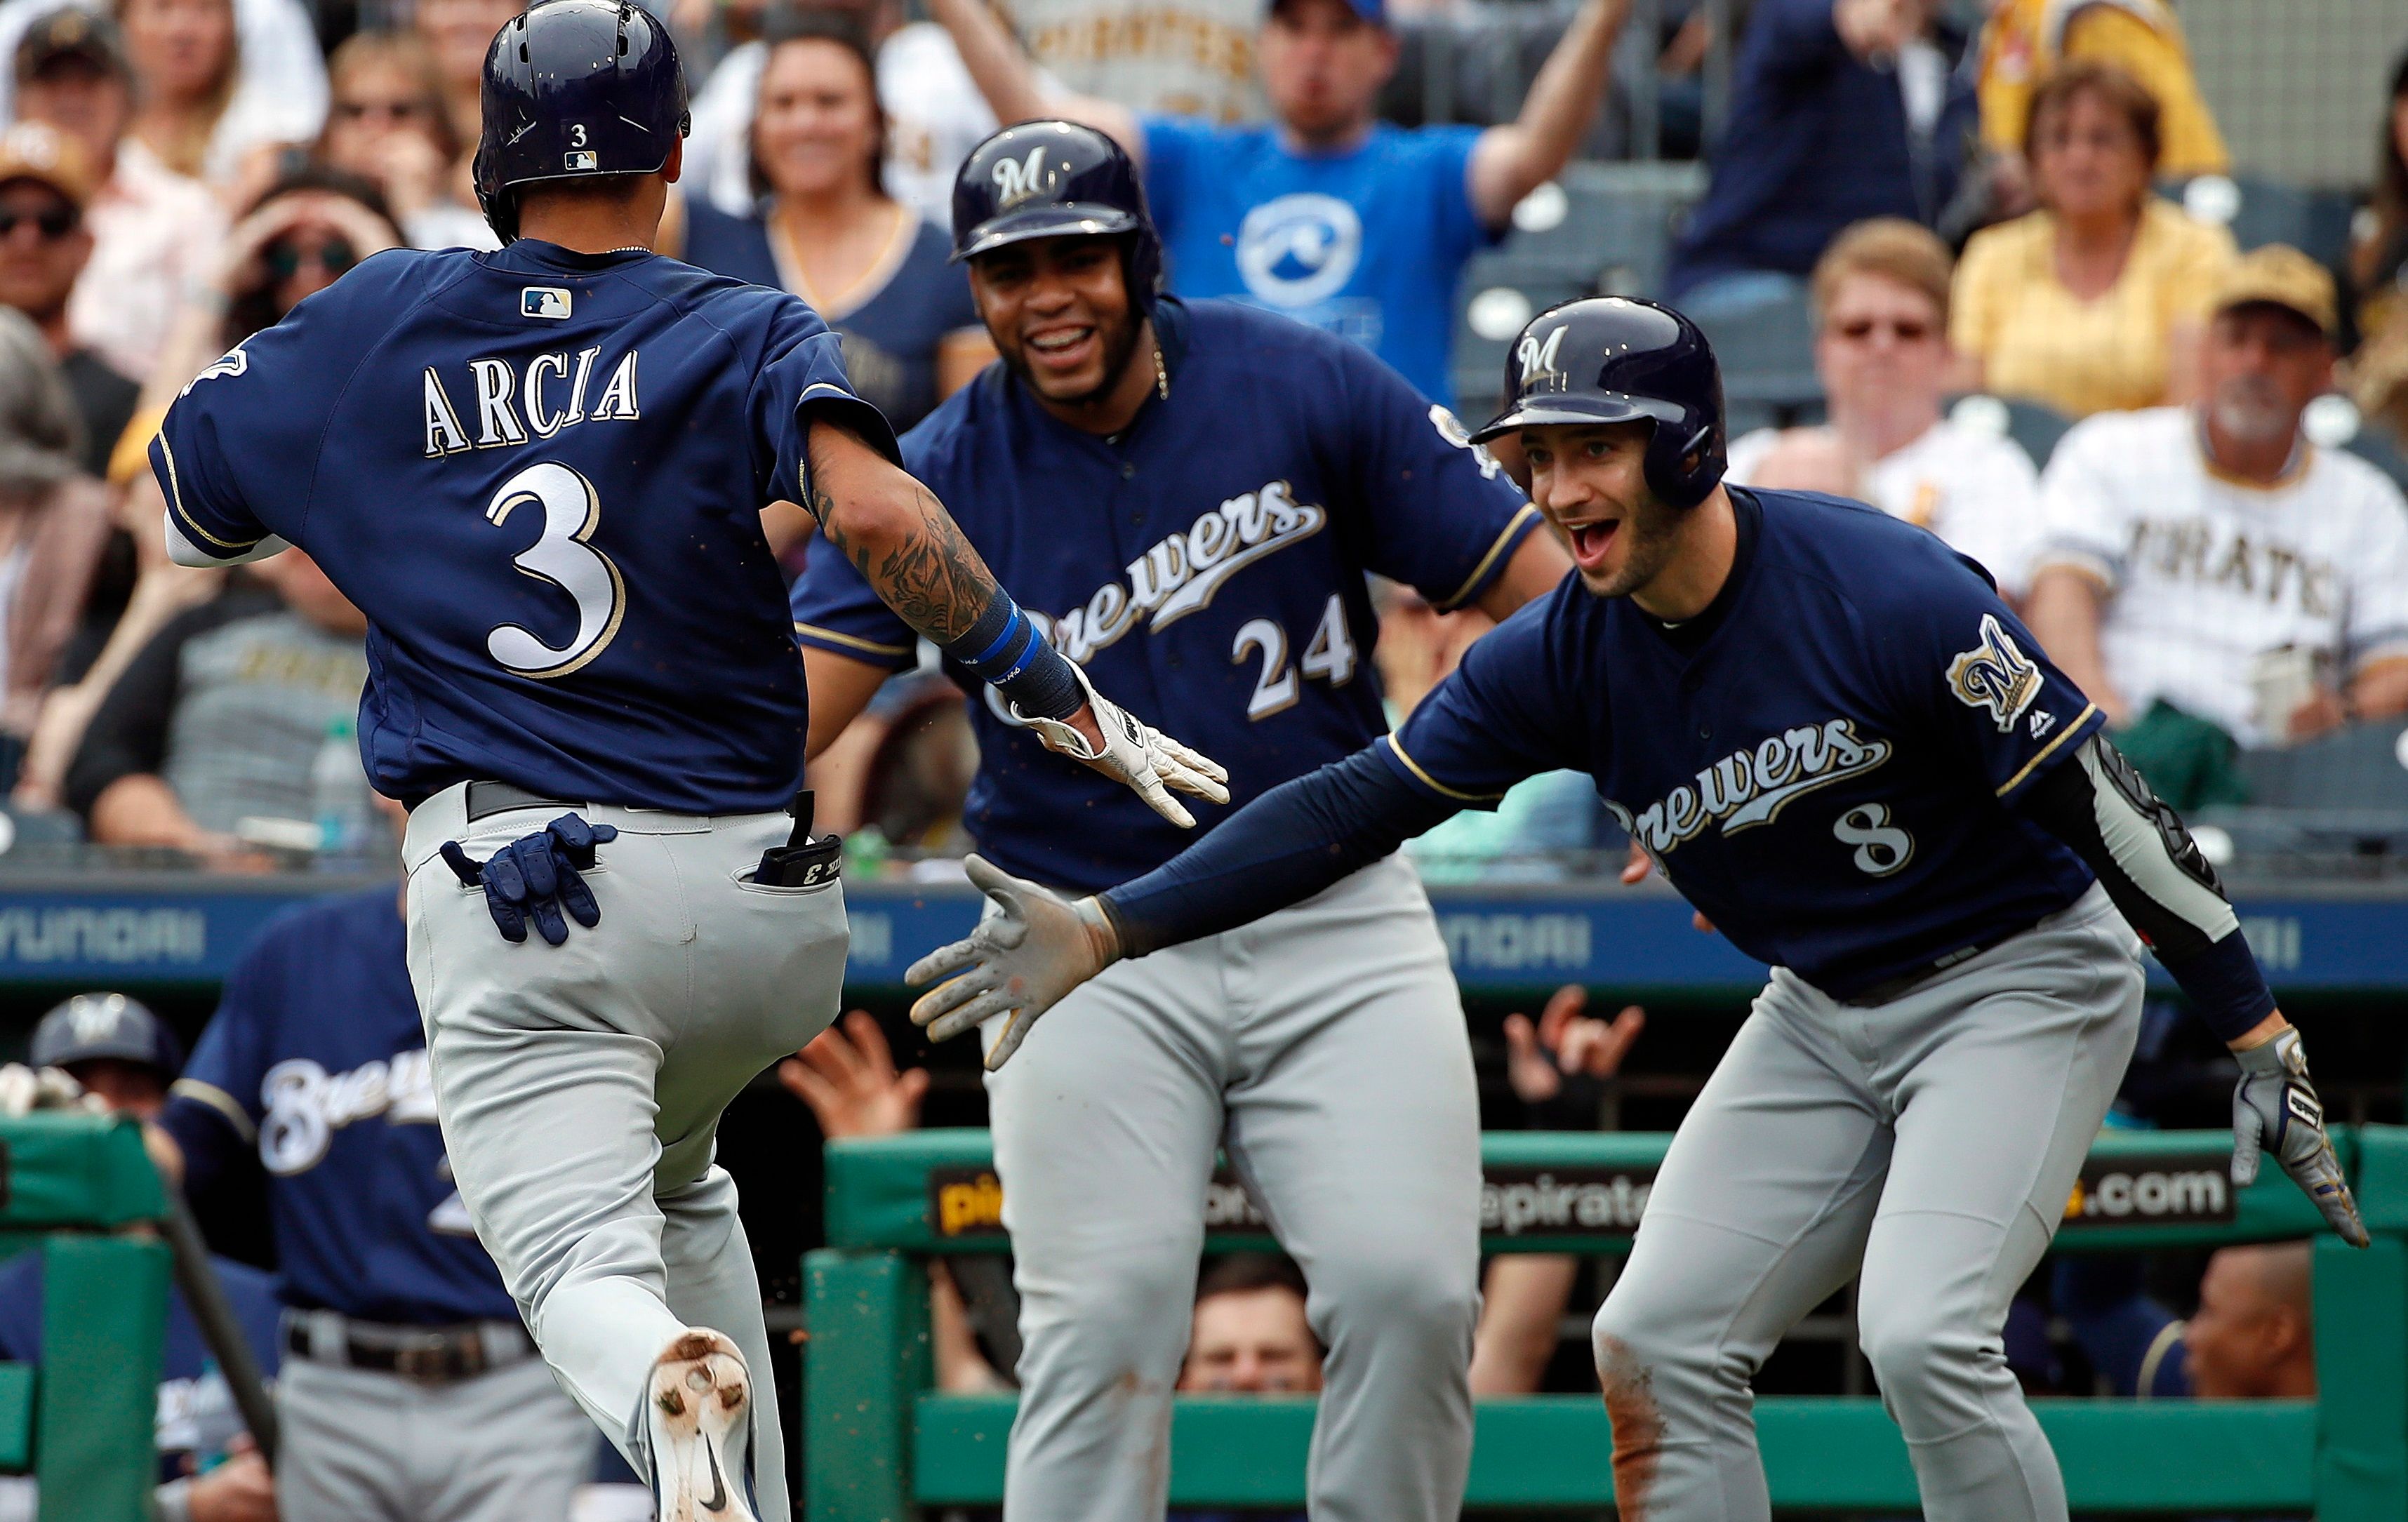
<point x="1881" y="847"/>
<point x="562" y="556"/>
<point x="577" y="134"/>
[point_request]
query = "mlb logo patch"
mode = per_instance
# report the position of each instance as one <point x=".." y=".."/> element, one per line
<point x="582" y="159"/>
<point x="544" y="301"/>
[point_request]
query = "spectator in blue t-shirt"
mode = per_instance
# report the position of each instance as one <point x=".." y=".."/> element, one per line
<point x="1326" y="212"/>
<point x="1841" y="110"/>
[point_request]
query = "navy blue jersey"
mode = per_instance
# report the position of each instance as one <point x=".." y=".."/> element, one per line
<point x="196" y="1408"/>
<point x="540" y="474"/>
<point x="316" y="1058"/>
<point x="1206" y="566"/>
<point x="1827" y="777"/>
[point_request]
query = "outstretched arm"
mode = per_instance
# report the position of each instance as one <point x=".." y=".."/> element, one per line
<point x="1514" y="159"/>
<point x="1008" y="80"/>
<point x="913" y="554"/>
<point x="2098" y="804"/>
<point x="1287" y="845"/>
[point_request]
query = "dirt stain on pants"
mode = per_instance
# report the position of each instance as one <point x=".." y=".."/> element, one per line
<point x="1638" y="1424"/>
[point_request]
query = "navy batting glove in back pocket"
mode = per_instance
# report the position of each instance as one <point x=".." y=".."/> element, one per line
<point x="536" y="877"/>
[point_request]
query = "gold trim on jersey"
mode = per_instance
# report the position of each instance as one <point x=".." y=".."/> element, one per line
<point x="221" y="1101"/>
<point x="176" y="500"/>
<point x="1504" y="539"/>
<point x="1433" y="782"/>
<point x="854" y="640"/>
<point x="2050" y="749"/>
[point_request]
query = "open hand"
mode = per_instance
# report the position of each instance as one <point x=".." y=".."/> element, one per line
<point x="847" y="1076"/>
<point x="1020" y="962"/>
<point x="1110" y="739"/>
<point x="1566" y="1040"/>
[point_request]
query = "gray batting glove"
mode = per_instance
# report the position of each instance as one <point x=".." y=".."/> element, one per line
<point x="1138" y="754"/>
<point x="2274" y="1105"/>
<point x="23" y="1089"/>
<point x="1021" y="961"/>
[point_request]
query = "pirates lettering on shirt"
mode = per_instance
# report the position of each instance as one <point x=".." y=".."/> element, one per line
<point x="2207" y="554"/>
<point x="1752" y="785"/>
<point x="507" y="407"/>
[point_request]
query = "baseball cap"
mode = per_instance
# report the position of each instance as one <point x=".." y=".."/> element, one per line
<point x="2280" y="276"/>
<point x="91" y="1026"/>
<point x="38" y="151"/>
<point x="71" y="32"/>
<point x="1373" y="12"/>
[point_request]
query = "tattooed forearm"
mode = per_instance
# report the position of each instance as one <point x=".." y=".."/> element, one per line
<point x="910" y="550"/>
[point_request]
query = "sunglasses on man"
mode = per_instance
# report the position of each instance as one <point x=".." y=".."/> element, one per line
<point x="54" y="222"/>
<point x="334" y="256"/>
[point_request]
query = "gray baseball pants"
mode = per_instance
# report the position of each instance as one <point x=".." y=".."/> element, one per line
<point x="1932" y="1141"/>
<point x="362" y="1445"/>
<point x="580" y="1086"/>
<point x="1325" y="1047"/>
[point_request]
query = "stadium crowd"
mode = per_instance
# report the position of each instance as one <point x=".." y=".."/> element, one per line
<point x="2000" y="237"/>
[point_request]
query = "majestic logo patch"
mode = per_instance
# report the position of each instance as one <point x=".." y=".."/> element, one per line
<point x="1994" y="675"/>
<point x="1017" y="180"/>
<point x="1752" y="786"/>
<point x="544" y="301"/>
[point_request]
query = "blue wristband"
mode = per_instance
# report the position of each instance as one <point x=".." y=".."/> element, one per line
<point x="1004" y="650"/>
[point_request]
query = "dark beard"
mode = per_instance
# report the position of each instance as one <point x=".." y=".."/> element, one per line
<point x="1655" y="531"/>
<point x="1120" y="349"/>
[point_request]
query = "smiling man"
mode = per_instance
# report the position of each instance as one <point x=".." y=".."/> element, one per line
<point x="1843" y="747"/>
<point x="1191" y="495"/>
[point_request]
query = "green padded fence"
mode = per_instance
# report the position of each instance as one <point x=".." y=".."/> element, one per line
<point x="82" y="1424"/>
<point x="879" y="1444"/>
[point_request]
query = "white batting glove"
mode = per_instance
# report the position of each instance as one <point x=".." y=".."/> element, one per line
<point x="23" y="1089"/>
<point x="1020" y="961"/>
<point x="2274" y="1106"/>
<point x="1136" y="753"/>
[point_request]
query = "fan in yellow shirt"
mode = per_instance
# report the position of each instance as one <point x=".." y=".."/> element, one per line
<point x="2094" y="302"/>
<point x="2028" y="41"/>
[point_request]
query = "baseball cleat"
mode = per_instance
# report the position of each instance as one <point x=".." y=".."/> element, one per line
<point x="700" y="1393"/>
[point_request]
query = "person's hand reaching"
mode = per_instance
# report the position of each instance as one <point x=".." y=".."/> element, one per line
<point x="847" y="1076"/>
<point x="1566" y="1040"/>
<point x="238" y="1490"/>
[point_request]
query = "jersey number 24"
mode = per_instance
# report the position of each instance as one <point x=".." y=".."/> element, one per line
<point x="1330" y="655"/>
<point x="562" y="556"/>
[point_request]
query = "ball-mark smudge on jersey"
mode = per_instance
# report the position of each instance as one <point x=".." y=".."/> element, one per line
<point x="1750" y="785"/>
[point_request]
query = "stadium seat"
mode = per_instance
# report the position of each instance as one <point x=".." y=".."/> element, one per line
<point x="2037" y="428"/>
<point x="2360" y="768"/>
<point x="1767" y="358"/>
<point x="2262" y="211"/>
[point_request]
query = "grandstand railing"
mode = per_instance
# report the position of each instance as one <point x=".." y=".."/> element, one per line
<point x="880" y="1443"/>
<point x="80" y="1190"/>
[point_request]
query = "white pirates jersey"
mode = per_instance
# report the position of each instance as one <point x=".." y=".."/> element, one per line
<point x="2205" y="572"/>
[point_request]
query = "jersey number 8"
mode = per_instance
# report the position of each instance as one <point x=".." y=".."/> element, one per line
<point x="1881" y="847"/>
<point x="562" y="556"/>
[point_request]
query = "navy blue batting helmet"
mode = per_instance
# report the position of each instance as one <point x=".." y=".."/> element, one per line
<point x="1617" y="359"/>
<point x="574" y="88"/>
<point x="1056" y="179"/>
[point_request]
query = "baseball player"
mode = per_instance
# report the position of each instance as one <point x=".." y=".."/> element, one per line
<point x="1837" y="741"/>
<point x="539" y="472"/>
<point x="1191" y="492"/>
<point x="410" y="1388"/>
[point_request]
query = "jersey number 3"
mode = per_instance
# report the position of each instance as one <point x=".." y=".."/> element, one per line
<point x="561" y="555"/>
<point x="1329" y="656"/>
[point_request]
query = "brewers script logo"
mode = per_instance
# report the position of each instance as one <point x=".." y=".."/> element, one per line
<point x="1752" y="786"/>
<point x="1994" y="675"/>
<point x="1017" y="180"/>
<point x="1537" y="359"/>
<point x="1181" y="573"/>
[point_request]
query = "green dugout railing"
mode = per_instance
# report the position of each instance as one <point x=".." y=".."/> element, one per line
<point x="79" y="1190"/>
<point x="879" y="1444"/>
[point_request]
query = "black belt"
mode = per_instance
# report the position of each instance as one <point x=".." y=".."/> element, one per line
<point x="433" y="1354"/>
<point x="486" y="799"/>
<point x="1905" y="983"/>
